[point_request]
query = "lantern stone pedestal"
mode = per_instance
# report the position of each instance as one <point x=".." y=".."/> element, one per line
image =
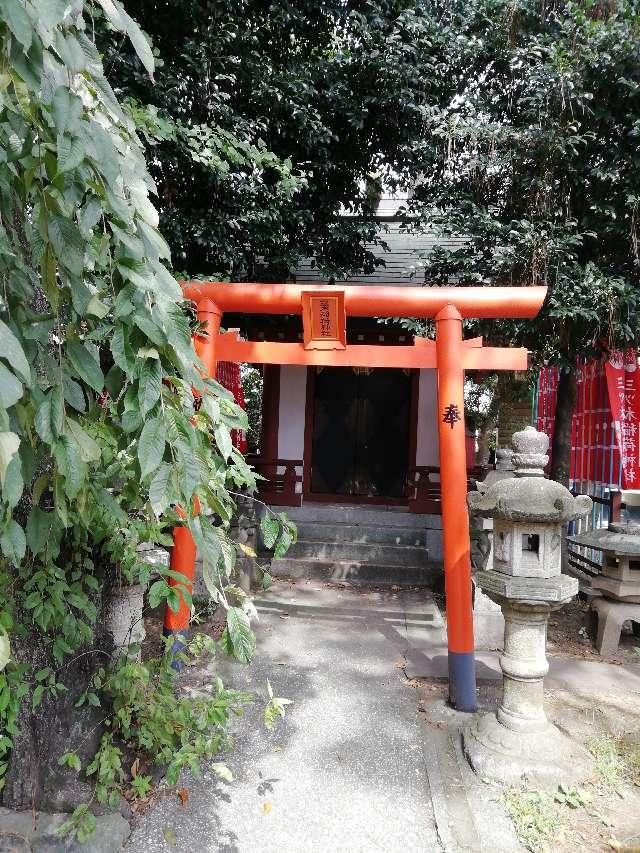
<point x="518" y="743"/>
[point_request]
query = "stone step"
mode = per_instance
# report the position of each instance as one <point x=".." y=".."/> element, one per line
<point x="360" y="514"/>
<point x="361" y="534"/>
<point x="354" y="572"/>
<point x="394" y="555"/>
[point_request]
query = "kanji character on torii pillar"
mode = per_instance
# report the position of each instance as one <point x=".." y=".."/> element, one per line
<point x="324" y="310"/>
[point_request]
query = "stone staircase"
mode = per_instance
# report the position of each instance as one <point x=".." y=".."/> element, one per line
<point x="362" y="545"/>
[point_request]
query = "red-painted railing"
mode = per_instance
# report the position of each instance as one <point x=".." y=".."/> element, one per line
<point x="282" y="484"/>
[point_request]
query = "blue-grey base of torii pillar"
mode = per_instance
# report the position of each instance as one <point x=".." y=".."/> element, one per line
<point x="462" y="681"/>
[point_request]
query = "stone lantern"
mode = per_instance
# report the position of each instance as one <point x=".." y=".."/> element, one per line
<point x="502" y="471"/>
<point x="528" y="511"/>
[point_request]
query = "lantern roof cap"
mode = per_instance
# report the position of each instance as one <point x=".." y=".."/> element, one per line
<point x="529" y="496"/>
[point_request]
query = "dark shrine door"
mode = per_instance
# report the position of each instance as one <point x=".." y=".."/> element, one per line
<point x="360" y="439"/>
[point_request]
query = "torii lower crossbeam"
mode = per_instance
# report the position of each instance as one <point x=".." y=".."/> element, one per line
<point x="324" y="310"/>
<point x="422" y="354"/>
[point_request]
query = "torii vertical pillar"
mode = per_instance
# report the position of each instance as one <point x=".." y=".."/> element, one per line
<point x="455" y="519"/>
<point x="183" y="553"/>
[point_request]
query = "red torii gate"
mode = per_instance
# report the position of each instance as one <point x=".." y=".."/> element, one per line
<point x="324" y="309"/>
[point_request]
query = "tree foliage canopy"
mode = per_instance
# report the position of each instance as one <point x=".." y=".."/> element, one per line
<point x="287" y="114"/>
<point x="529" y="155"/>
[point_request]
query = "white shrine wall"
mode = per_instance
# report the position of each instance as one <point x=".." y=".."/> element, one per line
<point x="427" y="446"/>
<point x="293" y="400"/>
<point x="291" y="414"/>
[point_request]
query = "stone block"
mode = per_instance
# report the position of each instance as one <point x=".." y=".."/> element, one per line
<point x="38" y="833"/>
<point x="542" y="759"/>
<point x="434" y="543"/>
<point x="618" y="540"/>
<point x="621" y="566"/>
<point x="527" y="549"/>
<point x="556" y="590"/>
<point x="124" y="617"/>
<point x="618" y="589"/>
<point x="488" y="622"/>
<point x="611" y="617"/>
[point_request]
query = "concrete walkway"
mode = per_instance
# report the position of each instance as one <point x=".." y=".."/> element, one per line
<point x="361" y="763"/>
<point x="346" y="771"/>
<point x="580" y="676"/>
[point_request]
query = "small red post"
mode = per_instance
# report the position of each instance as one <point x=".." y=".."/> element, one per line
<point x="270" y="418"/>
<point x="455" y="519"/>
<point x="183" y="553"/>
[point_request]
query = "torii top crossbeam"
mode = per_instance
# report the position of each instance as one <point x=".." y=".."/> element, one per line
<point x="324" y="311"/>
<point x="326" y="307"/>
<point x="384" y="300"/>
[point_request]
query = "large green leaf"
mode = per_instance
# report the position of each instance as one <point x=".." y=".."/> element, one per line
<point x="131" y="420"/>
<point x="89" y="449"/>
<point x="71" y="152"/>
<point x="9" y="444"/>
<point x="165" y="282"/>
<point x="70" y="465"/>
<point x="150" y="328"/>
<point x="67" y="243"/>
<point x="85" y="365"/>
<point x="284" y="543"/>
<point x="155" y="242"/>
<point x="270" y="529"/>
<point x="124" y="23"/>
<point x="67" y="110"/>
<point x="13" y="482"/>
<point x="11" y="349"/>
<point x="39" y="525"/>
<point x="13" y="543"/>
<point x="149" y="385"/>
<point x="190" y="469"/>
<point x="73" y="393"/>
<point x="20" y="24"/>
<point x="121" y="349"/>
<point x="42" y="420"/>
<point x="158" y="489"/>
<point x="71" y="52"/>
<point x="223" y="440"/>
<point x="240" y="633"/>
<point x="134" y="245"/>
<point x="151" y="446"/>
<point x="52" y="12"/>
<point x="209" y="545"/>
<point x="228" y="551"/>
<point x="10" y="388"/>
<point x="57" y="410"/>
<point x="90" y="215"/>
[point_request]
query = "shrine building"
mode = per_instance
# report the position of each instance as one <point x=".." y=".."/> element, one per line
<point x="352" y="435"/>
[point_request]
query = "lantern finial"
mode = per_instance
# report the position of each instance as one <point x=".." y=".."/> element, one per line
<point x="530" y="452"/>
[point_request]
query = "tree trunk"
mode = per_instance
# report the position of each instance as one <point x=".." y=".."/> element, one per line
<point x="561" y="445"/>
<point x="484" y="437"/>
<point x="34" y="779"/>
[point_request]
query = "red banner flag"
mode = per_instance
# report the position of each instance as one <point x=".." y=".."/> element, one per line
<point x="623" y="385"/>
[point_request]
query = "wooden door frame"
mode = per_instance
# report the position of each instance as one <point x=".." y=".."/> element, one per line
<point x="307" y="465"/>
